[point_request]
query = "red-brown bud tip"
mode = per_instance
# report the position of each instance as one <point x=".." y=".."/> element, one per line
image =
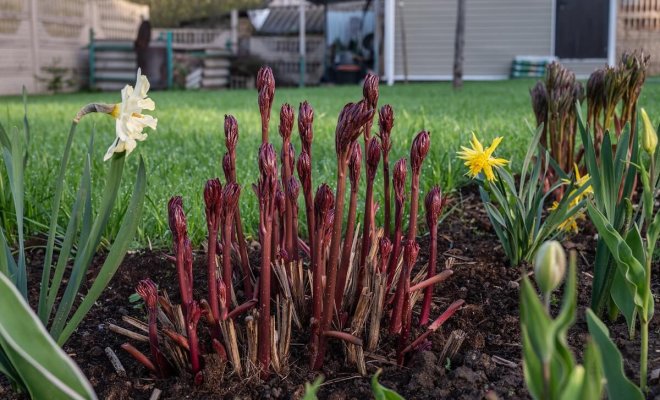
<point x="350" y="122"/>
<point x="373" y="157"/>
<point x="147" y="289"/>
<point x="293" y="189"/>
<point x="267" y="160"/>
<point x="305" y="122"/>
<point x="266" y="88"/>
<point x="194" y="312"/>
<point x="292" y="156"/>
<point x="230" y="195"/>
<point x="410" y="252"/>
<point x="280" y="198"/>
<point x="177" y="218"/>
<point x="433" y="204"/>
<point x="384" y="247"/>
<point x="286" y="121"/>
<point x="419" y="150"/>
<point x="399" y="180"/>
<point x="354" y="165"/>
<point x="324" y="201"/>
<point x="386" y="120"/>
<point x="304" y="167"/>
<point x="222" y="293"/>
<point x="231" y="132"/>
<point x="212" y="193"/>
<point x="227" y="166"/>
<point x="370" y="90"/>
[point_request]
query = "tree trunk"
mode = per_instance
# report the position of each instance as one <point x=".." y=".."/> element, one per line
<point x="459" y="44"/>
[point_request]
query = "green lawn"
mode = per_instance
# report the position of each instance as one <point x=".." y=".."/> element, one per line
<point x="187" y="148"/>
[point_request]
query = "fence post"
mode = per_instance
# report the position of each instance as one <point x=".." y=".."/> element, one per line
<point x="170" y="61"/>
<point x="92" y="66"/>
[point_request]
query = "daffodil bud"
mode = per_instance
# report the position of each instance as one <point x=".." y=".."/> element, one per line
<point x="649" y="136"/>
<point x="549" y="266"/>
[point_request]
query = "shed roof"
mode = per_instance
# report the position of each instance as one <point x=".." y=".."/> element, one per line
<point x="284" y="21"/>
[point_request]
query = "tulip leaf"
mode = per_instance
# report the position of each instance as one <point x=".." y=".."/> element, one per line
<point x="45" y="370"/>
<point x="311" y="389"/>
<point x="381" y="392"/>
<point x="618" y="386"/>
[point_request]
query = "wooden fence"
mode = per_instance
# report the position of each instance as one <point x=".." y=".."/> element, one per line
<point x="639" y="28"/>
<point x="36" y="34"/>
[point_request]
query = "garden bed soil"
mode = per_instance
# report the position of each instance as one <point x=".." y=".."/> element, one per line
<point x="489" y="361"/>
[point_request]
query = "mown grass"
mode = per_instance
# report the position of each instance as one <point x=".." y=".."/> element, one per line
<point x="188" y="146"/>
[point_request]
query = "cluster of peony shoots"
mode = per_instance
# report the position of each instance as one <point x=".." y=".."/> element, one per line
<point x="338" y="285"/>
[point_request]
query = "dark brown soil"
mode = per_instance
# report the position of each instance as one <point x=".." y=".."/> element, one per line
<point x="488" y="361"/>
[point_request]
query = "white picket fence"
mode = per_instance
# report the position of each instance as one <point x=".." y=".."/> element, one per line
<point x="38" y="33"/>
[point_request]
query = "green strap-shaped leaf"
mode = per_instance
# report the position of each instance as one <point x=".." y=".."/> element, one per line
<point x="69" y="237"/>
<point x="13" y="158"/>
<point x="617" y="384"/>
<point x="52" y="230"/>
<point x="628" y="266"/>
<point x="115" y="256"/>
<point x="381" y="392"/>
<point x="44" y="368"/>
<point x="84" y="256"/>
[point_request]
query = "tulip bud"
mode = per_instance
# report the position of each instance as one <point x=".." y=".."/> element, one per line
<point x="373" y="158"/>
<point x="370" y="90"/>
<point x="399" y="180"/>
<point x="419" y="150"/>
<point x="649" y="136"/>
<point x="231" y="132"/>
<point x="549" y="266"/>
<point x="354" y="165"/>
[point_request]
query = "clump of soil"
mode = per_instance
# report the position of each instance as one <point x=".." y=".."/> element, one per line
<point x="489" y="359"/>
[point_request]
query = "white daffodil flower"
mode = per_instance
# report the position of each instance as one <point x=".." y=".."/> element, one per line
<point x="129" y="118"/>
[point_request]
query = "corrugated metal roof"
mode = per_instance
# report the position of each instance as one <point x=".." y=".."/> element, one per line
<point x="284" y="21"/>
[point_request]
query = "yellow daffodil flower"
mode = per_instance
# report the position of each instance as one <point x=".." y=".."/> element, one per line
<point x="570" y="224"/>
<point x="129" y="118"/>
<point x="478" y="159"/>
